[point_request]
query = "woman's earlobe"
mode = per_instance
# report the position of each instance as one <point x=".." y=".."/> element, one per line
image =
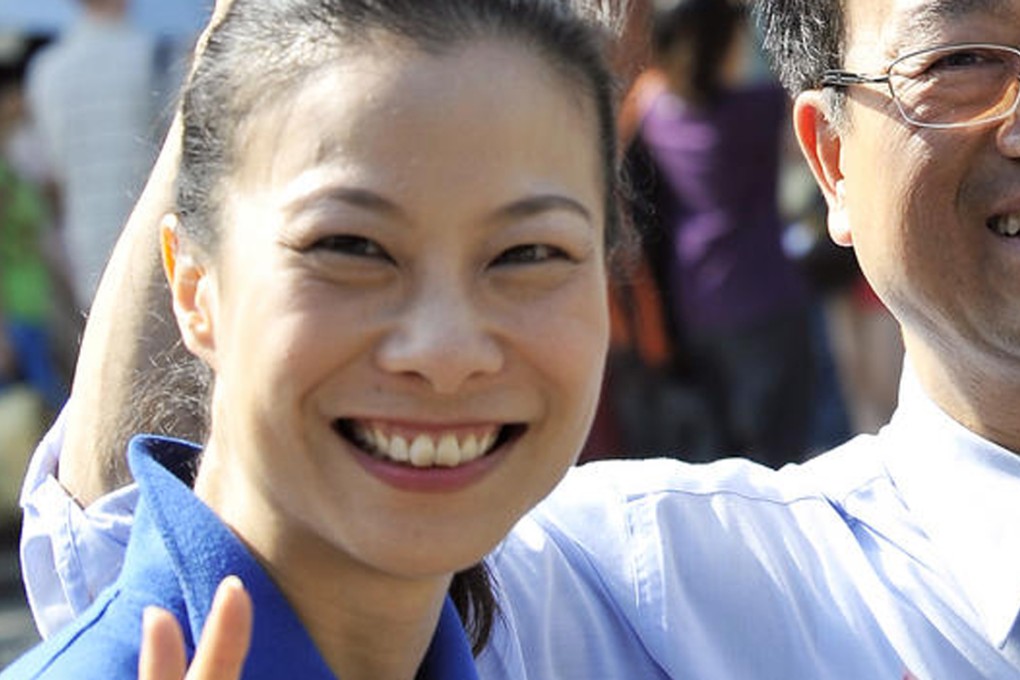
<point x="191" y="287"/>
<point x="196" y="318"/>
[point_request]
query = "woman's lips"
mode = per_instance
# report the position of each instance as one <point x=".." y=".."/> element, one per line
<point x="435" y="460"/>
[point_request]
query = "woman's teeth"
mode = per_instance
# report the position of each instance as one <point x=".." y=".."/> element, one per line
<point x="424" y="450"/>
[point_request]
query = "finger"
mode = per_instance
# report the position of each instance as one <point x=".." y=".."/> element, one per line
<point x="162" y="655"/>
<point x="226" y="636"/>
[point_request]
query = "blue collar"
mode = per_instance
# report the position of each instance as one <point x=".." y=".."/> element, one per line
<point x="180" y="550"/>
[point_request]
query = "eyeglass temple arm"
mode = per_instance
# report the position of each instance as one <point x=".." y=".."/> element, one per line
<point x="840" y="78"/>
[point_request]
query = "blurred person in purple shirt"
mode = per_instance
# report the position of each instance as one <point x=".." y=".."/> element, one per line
<point x="707" y="159"/>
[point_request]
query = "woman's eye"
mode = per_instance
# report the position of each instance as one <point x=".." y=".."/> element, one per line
<point x="532" y="253"/>
<point x="354" y="246"/>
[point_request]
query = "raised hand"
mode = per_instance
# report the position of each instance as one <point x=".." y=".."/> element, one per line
<point x="221" y="651"/>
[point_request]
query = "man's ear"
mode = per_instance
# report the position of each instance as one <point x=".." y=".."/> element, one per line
<point x="192" y="287"/>
<point x="822" y="147"/>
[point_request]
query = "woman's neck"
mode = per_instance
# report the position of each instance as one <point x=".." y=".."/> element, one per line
<point x="365" y="623"/>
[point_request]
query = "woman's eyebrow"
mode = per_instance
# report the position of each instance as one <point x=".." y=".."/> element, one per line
<point x="534" y="205"/>
<point x="363" y="199"/>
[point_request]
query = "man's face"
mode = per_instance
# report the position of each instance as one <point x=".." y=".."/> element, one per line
<point x="924" y="207"/>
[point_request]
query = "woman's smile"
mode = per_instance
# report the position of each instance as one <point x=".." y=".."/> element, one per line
<point x="423" y="446"/>
<point x="428" y="459"/>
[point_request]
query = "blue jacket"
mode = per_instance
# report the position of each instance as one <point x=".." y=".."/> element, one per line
<point x="178" y="553"/>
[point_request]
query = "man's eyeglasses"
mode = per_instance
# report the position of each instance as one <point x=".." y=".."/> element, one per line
<point x="948" y="86"/>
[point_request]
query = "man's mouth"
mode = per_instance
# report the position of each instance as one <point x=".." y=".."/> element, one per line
<point x="1005" y="225"/>
<point x="436" y="448"/>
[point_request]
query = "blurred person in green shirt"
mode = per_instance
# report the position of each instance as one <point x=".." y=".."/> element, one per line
<point x="26" y="278"/>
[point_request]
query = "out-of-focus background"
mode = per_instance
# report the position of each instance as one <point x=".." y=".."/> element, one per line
<point x="739" y="331"/>
<point x="177" y="19"/>
<point x="87" y="88"/>
<point x="742" y="330"/>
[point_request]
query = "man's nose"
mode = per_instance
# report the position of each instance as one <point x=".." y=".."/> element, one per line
<point x="1007" y="136"/>
<point x="443" y="337"/>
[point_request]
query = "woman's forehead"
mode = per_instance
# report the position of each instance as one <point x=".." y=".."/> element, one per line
<point x="415" y="109"/>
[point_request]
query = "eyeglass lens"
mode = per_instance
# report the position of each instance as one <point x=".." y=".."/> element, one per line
<point x="956" y="86"/>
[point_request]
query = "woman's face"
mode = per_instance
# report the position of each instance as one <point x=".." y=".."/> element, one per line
<point x="407" y="315"/>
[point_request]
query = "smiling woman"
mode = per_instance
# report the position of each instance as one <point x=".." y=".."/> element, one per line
<point x="397" y="276"/>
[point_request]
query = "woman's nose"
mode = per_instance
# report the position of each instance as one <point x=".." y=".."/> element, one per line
<point x="443" y="338"/>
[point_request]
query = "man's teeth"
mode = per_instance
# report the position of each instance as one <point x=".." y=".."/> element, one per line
<point x="1006" y="225"/>
<point x="426" y="451"/>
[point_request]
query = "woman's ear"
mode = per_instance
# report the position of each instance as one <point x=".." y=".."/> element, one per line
<point x="821" y="143"/>
<point x="193" y="291"/>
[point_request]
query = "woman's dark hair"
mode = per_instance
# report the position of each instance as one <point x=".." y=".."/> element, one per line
<point x="263" y="52"/>
<point x="706" y="29"/>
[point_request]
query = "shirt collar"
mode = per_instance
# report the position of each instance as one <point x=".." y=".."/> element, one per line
<point x="965" y="494"/>
<point x="203" y="551"/>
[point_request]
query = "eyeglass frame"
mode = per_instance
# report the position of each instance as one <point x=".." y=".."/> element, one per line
<point x="844" y="78"/>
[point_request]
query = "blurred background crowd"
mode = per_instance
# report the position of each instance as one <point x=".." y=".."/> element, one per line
<point x="86" y="95"/>
<point x="739" y="329"/>
<point x="742" y="330"/>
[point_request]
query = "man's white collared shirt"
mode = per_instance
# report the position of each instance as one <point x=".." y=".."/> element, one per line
<point x="894" y="554"/>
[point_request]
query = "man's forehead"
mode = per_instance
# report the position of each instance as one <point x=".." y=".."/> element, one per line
<point x="941" y="10"/>
<point x="909" y="23"/>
